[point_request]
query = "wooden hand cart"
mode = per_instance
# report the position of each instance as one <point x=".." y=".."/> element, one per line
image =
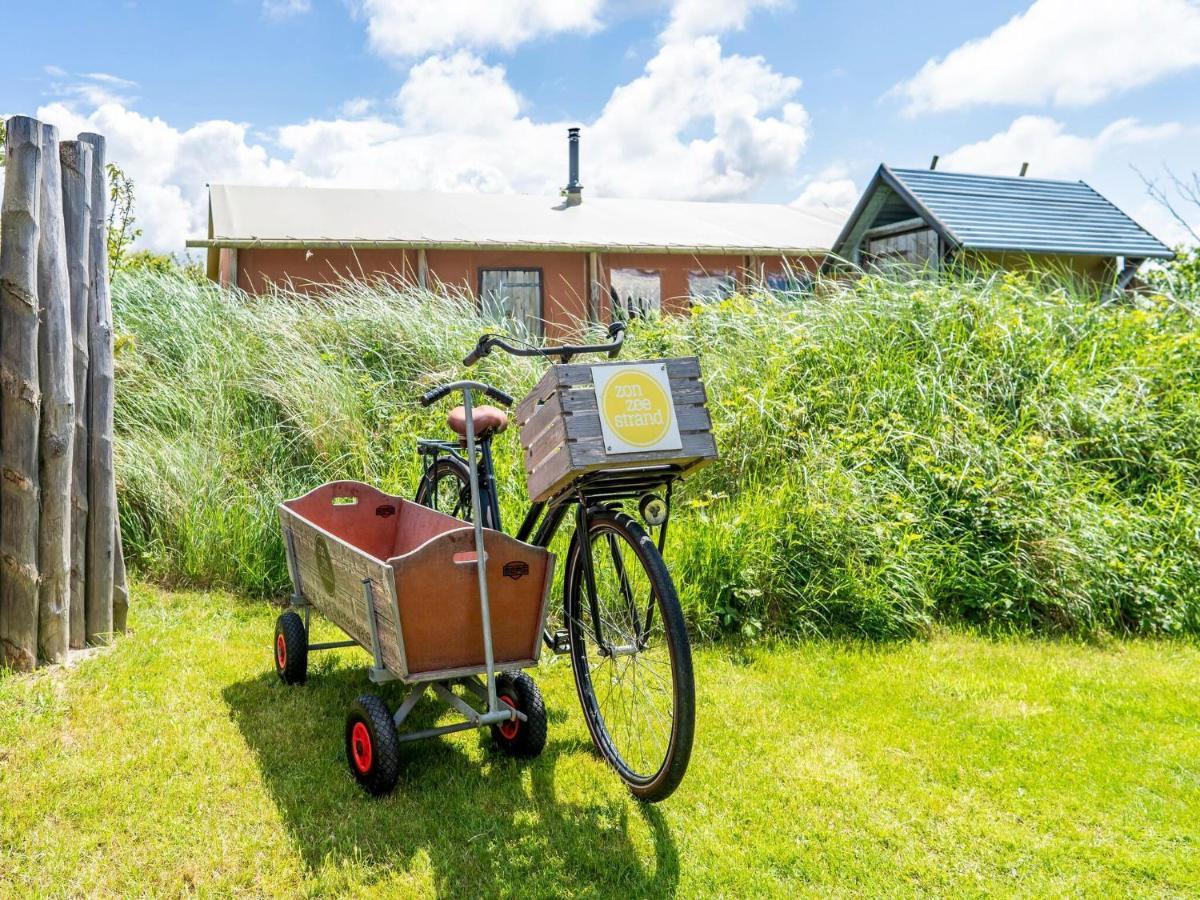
<point x="437" y="601"/>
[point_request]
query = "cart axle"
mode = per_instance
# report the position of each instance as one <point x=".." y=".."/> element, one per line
<point x="333" y="645"/>
<point x="484" y="720"/>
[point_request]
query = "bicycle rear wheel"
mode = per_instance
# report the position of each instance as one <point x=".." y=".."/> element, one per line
<point x="445" y="487"/>
<point x="630" y="654"/>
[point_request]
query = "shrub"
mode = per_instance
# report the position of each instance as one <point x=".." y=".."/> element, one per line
<point x="1002" y="452"/>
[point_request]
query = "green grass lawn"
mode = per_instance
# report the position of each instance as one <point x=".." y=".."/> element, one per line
<point x="177" y="762"/>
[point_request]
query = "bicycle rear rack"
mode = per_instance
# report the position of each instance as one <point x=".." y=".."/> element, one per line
<point x="621" y="484"/>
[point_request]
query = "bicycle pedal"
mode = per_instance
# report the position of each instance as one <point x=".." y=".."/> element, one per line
<point x="562" y="642"/>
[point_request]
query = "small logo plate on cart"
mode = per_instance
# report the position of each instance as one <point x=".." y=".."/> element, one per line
<point x="637" y="411"/>
<point x="325" y="565"/>
<point x="515" y="569"/>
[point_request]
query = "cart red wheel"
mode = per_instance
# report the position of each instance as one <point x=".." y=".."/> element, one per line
<point x="372" y="745"/>
<point x="291" y="648"/>
<point x="517" y="738"/>
<point x="360" y="748"/>
<point x="508" y="730"/>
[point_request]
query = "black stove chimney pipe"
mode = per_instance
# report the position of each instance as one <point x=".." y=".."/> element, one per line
<point x="574" y="188"/>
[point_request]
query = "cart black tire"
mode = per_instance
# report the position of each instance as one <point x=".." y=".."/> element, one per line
<point x="291" y="648"/>
<point x="656" y="785"/>
<point x="372" y="745"/>
<point x="522" y="739"/>
<point x="447" y="469"/>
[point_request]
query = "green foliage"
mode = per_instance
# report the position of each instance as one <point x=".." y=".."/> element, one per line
<point x="1179" y="277"/>
<point x="162" y="264"/>
<point x="122" y="223"/>
<point x="999" y="452"/>
<point x="123" y="232"/>
<point x="3" y="140"/>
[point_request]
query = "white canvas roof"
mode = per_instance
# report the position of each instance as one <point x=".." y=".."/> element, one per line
<point x="336" y="217"/>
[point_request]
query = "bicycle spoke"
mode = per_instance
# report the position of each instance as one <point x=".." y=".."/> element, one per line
<point x="623" y="578"/>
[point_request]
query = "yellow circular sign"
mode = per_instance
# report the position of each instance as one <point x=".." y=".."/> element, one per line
<point x="636" y="408"/>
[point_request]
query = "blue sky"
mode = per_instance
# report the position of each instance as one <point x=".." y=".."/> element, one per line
<point x="765" y="100"/>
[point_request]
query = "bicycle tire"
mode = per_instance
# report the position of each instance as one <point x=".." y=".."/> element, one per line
<point x="665" y="777"/>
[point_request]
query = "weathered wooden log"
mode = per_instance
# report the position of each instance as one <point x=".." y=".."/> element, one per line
<point x="101" y="510"/>
<point x="20" y="400"/>
<point x="76" y="160"/>
<point x="56" y="438"/>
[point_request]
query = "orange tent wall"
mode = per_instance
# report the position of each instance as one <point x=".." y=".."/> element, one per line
<point x="564" y="273"/>
<point x="306" y="269"/>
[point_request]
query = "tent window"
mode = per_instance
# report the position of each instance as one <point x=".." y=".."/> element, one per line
<point x="710" y="285"/>
<point x="513" y="296"/>
<point x="918" y="248"/>
<point x="636" y="293"/>
<point x="790" y="282"/>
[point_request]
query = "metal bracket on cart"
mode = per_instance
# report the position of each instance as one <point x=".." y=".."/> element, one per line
<point x="472" y="718"/>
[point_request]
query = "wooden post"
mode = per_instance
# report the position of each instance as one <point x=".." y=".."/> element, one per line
<point x="101" y="507"/>
<point x="77" y="214"/>
<point x="422" y="269"/>
<point x="20" y="400"/>
<point x="56" y="367"/>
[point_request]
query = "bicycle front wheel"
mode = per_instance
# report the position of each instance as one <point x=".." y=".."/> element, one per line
<point x="630" y="653"/>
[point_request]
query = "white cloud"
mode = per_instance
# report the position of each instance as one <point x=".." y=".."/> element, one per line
<point x="1051" y="152"/>
<point x="115" y="81"/>
<point x="285" y="9"/>
<point x="170" y="167"/>
<point x="1064" y="52"/>
<point x="648" y="134"/>
<point x="357" y="107"/>
<point x="408" y="28"/>
<point x="832" y="188"/>
<point x="91" y="88"/>
<point x="696" y="124"/>
<point x="696" y="18"/>
<point x="457" y="93"/>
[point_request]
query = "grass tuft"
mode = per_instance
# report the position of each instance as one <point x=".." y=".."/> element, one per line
<point x="1004" y="452"/>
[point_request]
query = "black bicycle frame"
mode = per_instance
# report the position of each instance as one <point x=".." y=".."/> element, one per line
<point x="488" y="501"/>
<point x="603" y="489"/>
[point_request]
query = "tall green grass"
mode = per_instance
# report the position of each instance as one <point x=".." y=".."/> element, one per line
<point x="1005" y="452"/>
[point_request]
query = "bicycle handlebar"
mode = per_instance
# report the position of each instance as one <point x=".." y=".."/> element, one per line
<point x="616" y="334"/>
<point x="433" y="396"/>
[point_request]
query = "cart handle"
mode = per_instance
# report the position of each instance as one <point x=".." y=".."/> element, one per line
<point x="431" y="397"/>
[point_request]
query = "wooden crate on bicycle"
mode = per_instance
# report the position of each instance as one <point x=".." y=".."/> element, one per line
<point x="583" y="418"/>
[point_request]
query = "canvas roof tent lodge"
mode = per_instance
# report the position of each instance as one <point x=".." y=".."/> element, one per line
<point x="547" y="263"/>
<point x="926" y="217"/>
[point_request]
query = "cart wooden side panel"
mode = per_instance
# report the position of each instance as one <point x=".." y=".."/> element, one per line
<point x="329" y="573"/>
<point x="437" y="587"/>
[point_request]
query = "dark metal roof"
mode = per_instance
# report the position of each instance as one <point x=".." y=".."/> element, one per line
<point x="987" y="212"/>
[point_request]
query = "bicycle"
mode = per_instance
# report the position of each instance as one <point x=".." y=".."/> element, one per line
<point x="631" y="658"/>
